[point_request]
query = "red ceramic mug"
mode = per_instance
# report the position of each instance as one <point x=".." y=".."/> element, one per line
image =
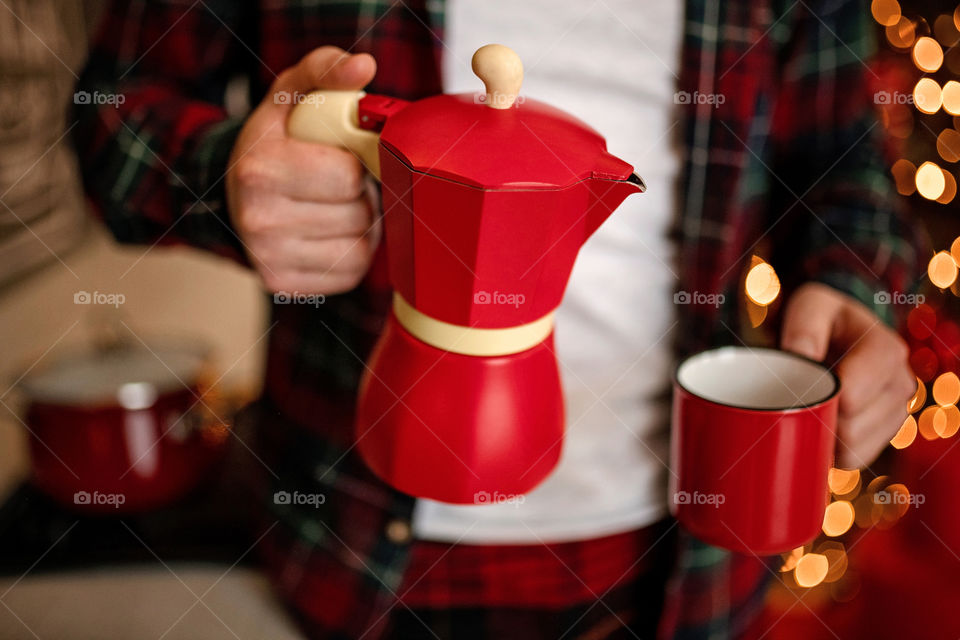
<point x="753" y="441"/>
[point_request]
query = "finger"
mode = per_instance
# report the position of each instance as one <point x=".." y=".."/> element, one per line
<point x="863" y="437"/>
<point x="299" y="221"/>
<point x="302" y="171"/>
<point x="325" y="68"/>
<point x="809" y="319"/>
<point x="877" y="360"/>
<point x="323" y="257"/>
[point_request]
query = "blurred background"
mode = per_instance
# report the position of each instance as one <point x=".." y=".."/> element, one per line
<point x="79" y="314"/>
<point x="77" y="309"/>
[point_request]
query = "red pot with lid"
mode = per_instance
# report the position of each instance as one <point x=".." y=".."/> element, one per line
<point x="120" y="429"/>
<point x="487" y="200"/>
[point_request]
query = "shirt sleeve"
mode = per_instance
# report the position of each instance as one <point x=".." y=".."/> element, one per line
<point x="842" y="223"/>
<point x="152" y="135"/>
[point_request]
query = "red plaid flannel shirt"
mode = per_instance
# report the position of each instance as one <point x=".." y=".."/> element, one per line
<point x="787" y="166"/>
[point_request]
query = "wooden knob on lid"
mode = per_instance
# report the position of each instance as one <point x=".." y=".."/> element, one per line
<point x="501" y="70"/>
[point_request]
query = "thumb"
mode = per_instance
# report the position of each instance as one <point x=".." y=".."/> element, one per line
<point x="324" y="68"/>
<point x="809" y="320"/>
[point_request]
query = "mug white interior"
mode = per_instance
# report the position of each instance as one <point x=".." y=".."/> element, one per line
<point x="765" y="379"/>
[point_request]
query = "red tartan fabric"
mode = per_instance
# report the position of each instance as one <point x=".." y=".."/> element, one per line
<point x="549" y="576"/>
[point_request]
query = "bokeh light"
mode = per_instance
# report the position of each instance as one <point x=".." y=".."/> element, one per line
<point x="838" y="518"/>
<point x="843" y="481"/>
<point x="836" y="560"/>
<point x="903" y="34"/>
<point x="924" y="363"/>
<point x="762" y="284"/>
<point x="950" y="97"/>
<point x="952" y="424"/>
<point x="811" y="569"/>
<point x="903" y="174"/>
<point x="868" y="511"/>
<point x="951" y="59"/>
<point x="945" y="30"/>
<point x="925" y="423"/>
<point x="921" y="321"/>
<point x="886" y="12"/>
<point x="757" y="313"/>
<point x="790" y="559"/>
<point x="942" y="269"/>
<point x="897" y="119"/>
<point x="955" y="249"/>
<point x="948" y="145"/>
<point x="927" y="54"/>
<point x="930" y="181"/>
<point x="946" y="389"/>
<point x="898" y="503"/>
<point x="906" y="435"/>
<point x="919" y="398"/>
<point x="949" y="188"/>
<point x="927" y="95"/>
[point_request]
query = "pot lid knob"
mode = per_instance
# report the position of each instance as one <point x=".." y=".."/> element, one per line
<point x="501" y="70"/>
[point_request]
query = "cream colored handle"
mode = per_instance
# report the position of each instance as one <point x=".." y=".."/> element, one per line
<point x="331" y="118"/>
<point x="501" y="70"/>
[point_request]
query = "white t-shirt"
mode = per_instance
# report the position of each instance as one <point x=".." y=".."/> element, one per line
<point x="613" y="64"/>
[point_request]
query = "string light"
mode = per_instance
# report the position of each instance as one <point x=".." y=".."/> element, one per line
<point x="843" y="481"/>
<point x="952" y="425"/>
<point x="945" y="30"/>
<point x="951" y="60"/>
<point x="925" y="422"/>
<point x="886" y="12"/>
<point x="955" y="250"/>
<point x="897" y="119"/>
<point x="762" y="284"/>
<point x="902" y="34"/>
<point x="927" y="95"/>
<point x="897" y="503"/>
<point x="838" y="518"/>
<point x="948" y="144"/>
<point x="906" y="435"/>
<point x="836" y="559"/>
<point x="790" y="559"/>
<point x="903" y="174"/>
<point x="942" y="270"/>
<point x="946" y="389"/>
<point x="924" y="363"/>
<point x="811" y="569"/>
<point x="919" y="398"/>
<point x="930" y="181"/>
<point x="949" y="188"/>
<point x="950" y="97"/>
<point x="927" y="54"/>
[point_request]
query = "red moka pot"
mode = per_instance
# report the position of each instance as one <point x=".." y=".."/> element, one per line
<point x="487" y="200"/>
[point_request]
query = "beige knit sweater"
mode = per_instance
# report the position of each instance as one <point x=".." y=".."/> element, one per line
<point x="42" y="49"/>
